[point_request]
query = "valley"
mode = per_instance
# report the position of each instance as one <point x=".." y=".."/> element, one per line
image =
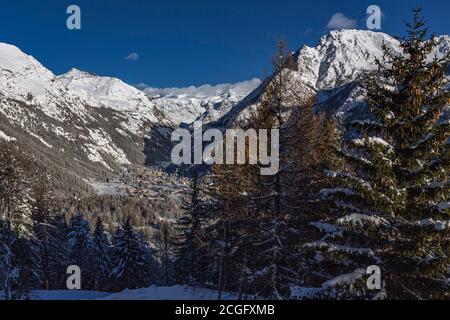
<point x="87" y="169"/>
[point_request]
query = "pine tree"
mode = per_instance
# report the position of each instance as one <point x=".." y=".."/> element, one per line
<point x="133" y="261"/>
<point x="80" y="246"/>
<point x="18" y="255"/>
<point x="390" y="198"/>
<point x="229" y="228"/>
<point x="15" y="190"/>
<point x="101" y="256"/>
<point x="47" y="246"/>
<point x="315" y="173"/>
<point x="187" y="241"/>
<point x="209" y="239"/>
<point x="163" y="240"/>
<point x="58" y="251"/>
<point x="9" y="273"/>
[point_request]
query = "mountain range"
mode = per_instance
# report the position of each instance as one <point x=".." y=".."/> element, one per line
<point x="87" y="126"/>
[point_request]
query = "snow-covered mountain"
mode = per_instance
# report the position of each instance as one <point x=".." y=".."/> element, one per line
<point x="207" y="103"/>
<point x="89" y="125"/>
<point x="331" y="71"/>
<point x="25" y="79"/>
<point x="78" y="121"/>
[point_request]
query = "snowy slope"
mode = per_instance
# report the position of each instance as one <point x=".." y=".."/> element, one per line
<point x="21" y="74"/>
<point x="341" y="57"/>
<point x="207" y="103"/>
<point x="5" y="137"/>
<point x="331" y="70"/>
<point x="114" y="94"/>
<point x="176" y="292"/>
<point x="78" y="124"/>
<point x="94" y="122"/>
<point x="24" y="78"/>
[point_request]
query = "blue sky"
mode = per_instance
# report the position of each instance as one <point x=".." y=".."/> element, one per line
<point x="181" y="42"/>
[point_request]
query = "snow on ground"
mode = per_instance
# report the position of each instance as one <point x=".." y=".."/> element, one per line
<point x="299" y="293"/>
<point x="170" y="293"/>
<point x="115" y="188"/>
<point x="359" y="219"/>
<point x="4" y="136"/>
<point x="437" y="224"/>
<point x="41" y="140"/>
<point x="68" y="295"/>
<point x="348" y="278"/>
<point x="176" y="292"/>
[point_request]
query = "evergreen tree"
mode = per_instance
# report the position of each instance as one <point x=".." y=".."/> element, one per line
<point x="48" y="247"/>
<point x="163" y="240"/>
<point x="15" y="190"/>
<point x="390" y="197"/>
<point x="101" y="256"/>
<point x="133" y="262"/>
<point x="315" y="173"/>
<point x="258" y="223"/>
<point x="187" y="241"/>
<point x="18" y="255"/>
<point x="229" y="228"/>
<point x="8" y="271"/>
<point x="80" y="246"/>
<point x="58" y="251"/>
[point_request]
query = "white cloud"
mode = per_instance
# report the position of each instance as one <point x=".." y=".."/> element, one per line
<point x="339" y="21"/>
<point x="203" y="91"/>
<point x="142" y="85"/>
<point x="132" y="56"/>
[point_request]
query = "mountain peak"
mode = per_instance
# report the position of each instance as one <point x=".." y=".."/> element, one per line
<point x="341" y="56"/>
<point x="76" y="73"/>
<point x="21" y="74"/>
<point x="352" y="37"/>
<point x="15" y="60"/>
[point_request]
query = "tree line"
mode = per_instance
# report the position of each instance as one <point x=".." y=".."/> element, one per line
<point x="38" y="243"/>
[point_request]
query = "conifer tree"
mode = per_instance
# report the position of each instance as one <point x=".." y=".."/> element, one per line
<point x="18" y="254"/>
<point x="163" y="240"/>
<point x="58" y="251"/>
<point x="101" y="256"/>
<point x="230" y="228"/>
<point x="8" y="270"/>
<point x="43" y="228"/>
<point x="187" y="241"/>
<point x="133" y="261"/>
<point x="15" y="190"/>
<point x="80" y="246"/>
<point x="259" y="222"/>
<point x="276" y="198"/>
<point x="391" y="196"/>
